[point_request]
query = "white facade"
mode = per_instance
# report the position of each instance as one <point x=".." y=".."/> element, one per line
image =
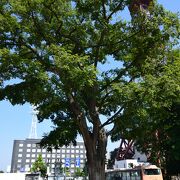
<point x="139" y="156"/>
<point x="12" y="176"/>
<point x="125" y="164"/>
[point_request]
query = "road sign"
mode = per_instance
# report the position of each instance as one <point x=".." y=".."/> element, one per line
<point x="67" y="162"/>
<point x="77" y="162"/>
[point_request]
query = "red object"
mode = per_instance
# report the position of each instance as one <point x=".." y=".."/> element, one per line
<point x="126" y="150"/>
<point x="136" y="5"/>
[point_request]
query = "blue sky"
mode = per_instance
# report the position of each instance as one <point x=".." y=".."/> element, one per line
<point x="16" y="120"/>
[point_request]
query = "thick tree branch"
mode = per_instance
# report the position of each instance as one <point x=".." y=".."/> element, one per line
<point x="91" y="103"/>
<point x="103" y="99"/>
<point x="112" y="118"/>
<point x="116" y="79"/>
<point x="111" y="131"/>
<point x="118" y="7"/>
<point x="104" y="10"/>
<point x="112" y="44"/>
<point x="79" y="116"/>
<point x="98" y="47"/>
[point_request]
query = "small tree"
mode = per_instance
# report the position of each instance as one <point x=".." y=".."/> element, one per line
<point x="67" y="171"/>
<point x="79" y="172"/>
<point x="39" y="166"/>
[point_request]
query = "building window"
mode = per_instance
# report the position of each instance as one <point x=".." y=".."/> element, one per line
<point x="19" y="160"/>
<point x="68" y="151"/>
<point x="28" y="145"/>
<point x="38" y="150"/>
<point x="72" y="155"/>
<point x="20" y="145"/>
<point x="27" y="155"/>
<point x="19" y="155"/>
<point x="63" y="155"/>
<point x="27" y="166"/>
<point x="58" y="151"/>
<point x="82" y="147"/>
<point x="33" y="150"/>
<point x="28" y="150"/>
<point x="77" y="151"/>
<point x="43" y="155"/>
<point x="33" y="155"/>
<point x="32" y="160"/>
<point x="34" y="145"/>
<point x="44" y="150"/>
<point x="53" y="151"/>
<point x="63" y="150"/>
<point x="27" y="160"/>
<point x="20" y="150"/>
<point x="48" y="155"/>
<point x="53" y="155"/>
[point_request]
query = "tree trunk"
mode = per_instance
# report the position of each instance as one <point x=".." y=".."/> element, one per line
<point x="95" y="141"/>
<point x="96" y="158"/>
<point x="96" y="170"/>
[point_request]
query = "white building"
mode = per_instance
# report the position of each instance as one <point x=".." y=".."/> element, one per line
<point x="125" y="164"/>
<point x="138" y="159"/>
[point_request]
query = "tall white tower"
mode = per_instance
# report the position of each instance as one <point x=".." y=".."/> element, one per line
<point x="33" y="133"/>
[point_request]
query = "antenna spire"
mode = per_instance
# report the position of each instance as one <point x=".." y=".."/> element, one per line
<point x="33" y="133"/>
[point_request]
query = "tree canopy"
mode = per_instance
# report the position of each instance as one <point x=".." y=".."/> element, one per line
<point x="155" y="120"/>
<point x="85" y="67"/>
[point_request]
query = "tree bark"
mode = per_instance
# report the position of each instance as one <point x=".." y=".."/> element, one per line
<point x="96" y="157"/>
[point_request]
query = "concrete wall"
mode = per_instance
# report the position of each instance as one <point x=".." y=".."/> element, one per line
<point x="140" y="156"/>
<point x="12" y="176"/>
<point x="124" y="164"/>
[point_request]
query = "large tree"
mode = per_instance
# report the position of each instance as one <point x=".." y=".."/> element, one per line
<point x="82" y="65"/>
<point x="155" y="128"/>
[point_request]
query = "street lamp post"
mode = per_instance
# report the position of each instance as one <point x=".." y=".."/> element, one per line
<point x="48" y="167"/>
